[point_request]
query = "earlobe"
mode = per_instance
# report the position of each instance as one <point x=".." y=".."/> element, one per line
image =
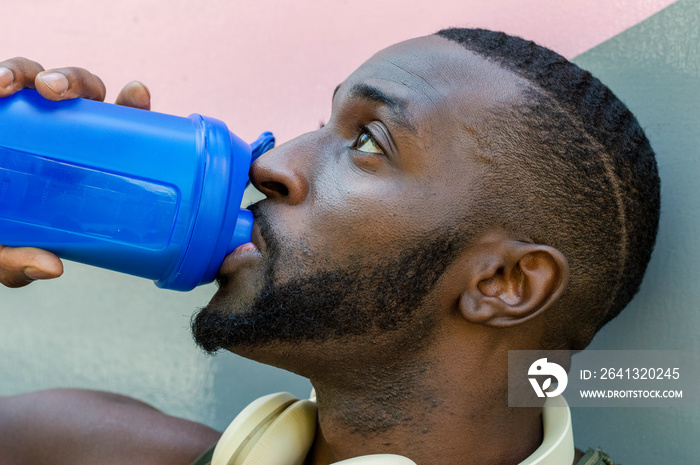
<point x="512" y="282"/>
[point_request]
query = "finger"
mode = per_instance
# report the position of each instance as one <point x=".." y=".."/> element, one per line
<point x="135" y="94"/>
<point x="68" y="83"/>
<point x="23" y="265"/>
<point x="17" y="74"/>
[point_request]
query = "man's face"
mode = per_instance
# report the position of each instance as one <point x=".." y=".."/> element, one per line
<point x="363" y="215"/>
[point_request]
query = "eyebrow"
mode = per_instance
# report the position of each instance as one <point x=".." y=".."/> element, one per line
<point x="397" y="106"/>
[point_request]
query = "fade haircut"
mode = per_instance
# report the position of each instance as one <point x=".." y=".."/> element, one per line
<point x="573" y="170"/>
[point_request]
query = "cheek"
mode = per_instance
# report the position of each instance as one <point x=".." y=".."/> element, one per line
<point x="371" y="217"/>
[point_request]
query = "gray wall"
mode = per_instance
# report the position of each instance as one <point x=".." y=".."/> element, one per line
<point x="655" y="69"/>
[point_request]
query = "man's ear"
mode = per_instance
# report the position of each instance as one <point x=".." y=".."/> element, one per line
<point x="511" y="282"/>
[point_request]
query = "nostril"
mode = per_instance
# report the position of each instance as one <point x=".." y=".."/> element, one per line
<point x="277" y="187"/>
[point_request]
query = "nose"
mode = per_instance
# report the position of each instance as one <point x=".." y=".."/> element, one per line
<point x="280" y="174"/>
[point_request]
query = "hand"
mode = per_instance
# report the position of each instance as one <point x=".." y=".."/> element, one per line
<point x="20" y="266"/>
<point x="65" y="83"/>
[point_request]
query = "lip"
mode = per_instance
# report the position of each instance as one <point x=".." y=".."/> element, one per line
<point x="244" y="253"/>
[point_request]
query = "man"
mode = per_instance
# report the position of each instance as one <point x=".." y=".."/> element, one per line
<point x="472" y="193"/>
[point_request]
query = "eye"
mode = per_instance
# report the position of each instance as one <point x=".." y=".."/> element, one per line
<point x="366" y="143"/>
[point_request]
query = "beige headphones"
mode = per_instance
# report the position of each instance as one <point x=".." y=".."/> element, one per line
<point x="279" y="429"/>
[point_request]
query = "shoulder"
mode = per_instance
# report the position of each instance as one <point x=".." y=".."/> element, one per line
<point x="73" y="426"/>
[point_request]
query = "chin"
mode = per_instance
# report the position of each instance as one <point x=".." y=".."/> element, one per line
<point x="237" y="291"/>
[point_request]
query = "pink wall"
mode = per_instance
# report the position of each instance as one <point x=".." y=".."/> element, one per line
<point x="273" y="64"/>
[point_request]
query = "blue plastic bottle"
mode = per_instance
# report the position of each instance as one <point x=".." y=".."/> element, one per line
<point x="143" y="193"/>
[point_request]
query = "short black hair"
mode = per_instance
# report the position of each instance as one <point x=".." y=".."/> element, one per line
<point x="584" y="174"/>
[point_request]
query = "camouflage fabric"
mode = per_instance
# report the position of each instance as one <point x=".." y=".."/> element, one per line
<point x="592" y="457"/>
<point x="595" y="457"/>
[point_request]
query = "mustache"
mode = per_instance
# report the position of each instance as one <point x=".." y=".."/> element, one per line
<point x="262" y="220"/>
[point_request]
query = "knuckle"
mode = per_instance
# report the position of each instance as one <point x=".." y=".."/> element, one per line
<point x="15" y="62"/>
<point x="80" y="75"/>
<point x="13" y="281"/>
<point x="31" y="64"/>
<point x="24" y="69"/>
<point x="83" y="83"/>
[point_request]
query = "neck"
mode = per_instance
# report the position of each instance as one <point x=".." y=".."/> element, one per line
<point x="431" y="412"/>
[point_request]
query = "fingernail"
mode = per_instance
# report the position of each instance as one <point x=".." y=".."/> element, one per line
<point x="7" y="77"/>
<point x="33" y="273"/>
<point x="141" y="96"/>
<point x="57" y="82"/>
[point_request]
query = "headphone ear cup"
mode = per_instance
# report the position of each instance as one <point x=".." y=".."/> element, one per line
<point x="248" y="425"/>
<point x="279" y="429"/>
<point x="378" y="459"/>
<point x="288" y="439"/>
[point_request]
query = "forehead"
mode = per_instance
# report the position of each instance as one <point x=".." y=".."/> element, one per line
<point x="447" y="94"/>
<point x="440" y="81"/>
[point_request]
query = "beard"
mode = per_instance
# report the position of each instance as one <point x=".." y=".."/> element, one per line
<point x="322" y="305"/>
